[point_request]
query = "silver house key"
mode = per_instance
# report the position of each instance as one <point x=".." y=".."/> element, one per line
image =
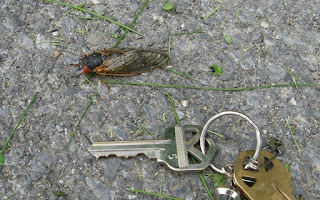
<point x="173" y="150"/>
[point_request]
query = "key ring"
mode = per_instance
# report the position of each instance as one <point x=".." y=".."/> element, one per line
<point x="253" y="163"/>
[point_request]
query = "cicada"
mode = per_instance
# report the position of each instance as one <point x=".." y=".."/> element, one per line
<point x="123" y="61"/>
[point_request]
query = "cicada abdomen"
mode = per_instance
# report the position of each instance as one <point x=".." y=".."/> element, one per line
<point x="123" y="61"/>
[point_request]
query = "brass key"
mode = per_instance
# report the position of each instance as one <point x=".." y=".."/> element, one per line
<point x="173" y="150"/>
<point x="257" y="174"/>
<point x="270" y="181"/>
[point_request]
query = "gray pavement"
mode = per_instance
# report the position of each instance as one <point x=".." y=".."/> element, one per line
<point x="271" y="40"/>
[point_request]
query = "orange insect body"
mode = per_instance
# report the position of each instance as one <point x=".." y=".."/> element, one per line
<point x="123" y="61"/>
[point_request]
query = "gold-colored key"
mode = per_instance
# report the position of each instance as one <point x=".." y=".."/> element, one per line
<point x="271" y="181"/>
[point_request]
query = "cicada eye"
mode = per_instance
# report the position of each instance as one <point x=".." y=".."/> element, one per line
<point x="84" y="55"/>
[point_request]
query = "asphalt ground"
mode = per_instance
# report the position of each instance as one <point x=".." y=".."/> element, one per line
<point x="256" y="43"/>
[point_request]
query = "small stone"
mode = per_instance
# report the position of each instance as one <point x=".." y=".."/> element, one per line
<point x="47" y="159"/>
<point x="276" y="72"/>
<point x="70" y="59"/>
<point x="184" y="103"/>
<point x="56" y="54"/>
<point x="253" y="98"/>
<point x="316" y="187"/>
<point x="66" y="25"/>
<point x="247" y="64"/>
<point x="315" y="75"/>
<point x="37" y="170"/>
<point x="100" y="9"/>
<point x="120" y="134"/>
<point x="40" y="42"/>
<point x="316" y="114"/>
<point x="300" y="121"/>
<point x="25" y="41"/>
<point x="236" y="55"/>
<point x="100" y="190"/>
<point x="59" y="128"/>
<point x="264" y="24"/>
<point x="293" y="102"/>
<point x="95" y="1"/>
<point x="55" y="33"/>
<point x="23" y="184"/>
<point x="110" y="167"/>
<point x="44" y="110"/>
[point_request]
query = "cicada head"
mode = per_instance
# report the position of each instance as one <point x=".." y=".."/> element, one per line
<point x="90" y="62"/>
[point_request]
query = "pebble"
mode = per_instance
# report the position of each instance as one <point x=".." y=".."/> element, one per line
<point x="38" y="170"/>
<point x="276" y="72"/>
<point x="264" y="24"/>
<point x="25" y="41"/>
<point x="70" y="58"/>
<point x="41" y="42"/>
<point x="110" y="167"/>
<point x="100" y="190"/>
<point x="293" y="102"/>
<point x="184" y="103"/>
<point x="23" y="184"/>
<point x="253" y="98"/>
<point x="247" y="64"/>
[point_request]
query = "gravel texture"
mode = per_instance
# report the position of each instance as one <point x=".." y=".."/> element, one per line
<point x="266" y="36"/>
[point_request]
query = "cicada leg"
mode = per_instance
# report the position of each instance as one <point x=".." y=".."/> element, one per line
<point x="98" y="75"/>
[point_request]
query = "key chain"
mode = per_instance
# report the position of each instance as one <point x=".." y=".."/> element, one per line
<point x="253" y="163"/>
<point x="269" y="180"/>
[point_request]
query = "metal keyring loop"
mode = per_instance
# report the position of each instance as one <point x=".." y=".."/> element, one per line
<point x="253" y="163"/>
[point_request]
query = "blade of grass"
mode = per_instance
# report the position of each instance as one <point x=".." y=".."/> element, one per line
<point x="217" y="134"/>
<point x="173" y="109"/>
<point x="292" y="77"/>
<point x="96" y="14"/>
<point x="215" y="10"/>
<point x="82" y="116"/>
<point x="57" y="43"/>
<point x="152" y="193"/>
<point x="204" y="181"/>
<point x="60" y="176"/>
<point x="7" y="196"/>
<point x="134" y="20"/>
<point x="292" y="134"/>
<point x="179" y="73"/>
<point x="15" y="129"/>
<point x="147" y="129"/>
<point x="210" y="88"/>
<point x="78" y="6"/>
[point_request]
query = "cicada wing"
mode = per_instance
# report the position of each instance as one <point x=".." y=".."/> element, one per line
<point x="113" y="51"/>
<point x="133" y="61"/>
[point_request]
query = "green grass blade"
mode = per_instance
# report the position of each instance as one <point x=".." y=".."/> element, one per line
<point x="215" y="10"/>
<point x="82" y="116"/>
<point x="210" y="88"/>
<point x="134" y="20"/>
<point x="15" y="129"/>
<point x="65" y="14"/>
<point x="204" y="181"/>
<point x="179" y="73"/>
<point x="292" y="134"/>
<point x="152" y="193"/>
<point x="96" y="14"/>
<point x="291" y="76"/>
<point x="173" y="109"/>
